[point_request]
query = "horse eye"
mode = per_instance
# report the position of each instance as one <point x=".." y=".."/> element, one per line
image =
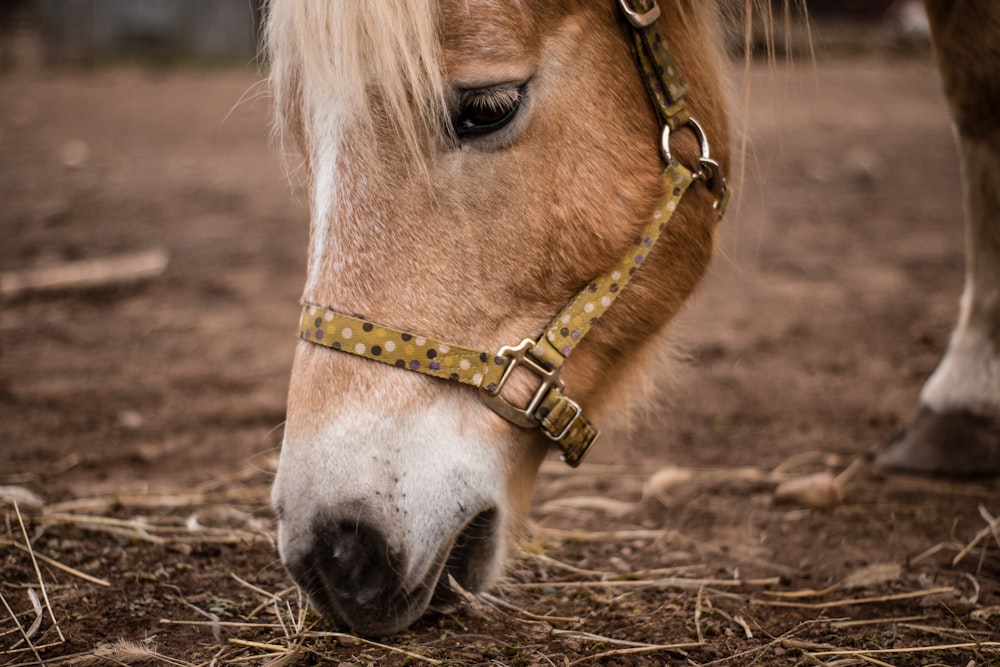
<point x="484" y="111"/>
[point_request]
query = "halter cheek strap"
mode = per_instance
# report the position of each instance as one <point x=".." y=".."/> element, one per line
<point x="558" y="416"/>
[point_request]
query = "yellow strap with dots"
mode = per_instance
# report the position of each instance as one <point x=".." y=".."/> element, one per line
<point x="558" y="416"/>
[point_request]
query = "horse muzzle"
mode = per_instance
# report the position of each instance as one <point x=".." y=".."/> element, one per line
<point x="353" y="573"/>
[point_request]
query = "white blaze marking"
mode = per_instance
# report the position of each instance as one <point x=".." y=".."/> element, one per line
<point x="325" y="131"/>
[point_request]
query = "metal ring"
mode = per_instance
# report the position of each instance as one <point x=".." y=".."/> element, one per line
<point x="699" y="133"/>
<point x="708" y="172"/>
<point x="638" y="18"/>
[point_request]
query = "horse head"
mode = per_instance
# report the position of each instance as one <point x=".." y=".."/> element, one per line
<point x="472" y="166"/>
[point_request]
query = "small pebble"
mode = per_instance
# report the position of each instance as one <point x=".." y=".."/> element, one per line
<point x="817" y="491"/>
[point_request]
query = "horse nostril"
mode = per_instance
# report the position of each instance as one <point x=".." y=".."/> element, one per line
<point x="352" y="573"/>
<point x="350" y="569"/>
<point x="473" y="547"/>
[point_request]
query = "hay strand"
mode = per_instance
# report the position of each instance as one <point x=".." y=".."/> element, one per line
<point x="25" y="637"/>
<point x="855" y="601"/>
<point x="385" y="647"/>
<point x="38" y="573"/>
<point x="910" y="650"/>
<point x="59" y="566"/>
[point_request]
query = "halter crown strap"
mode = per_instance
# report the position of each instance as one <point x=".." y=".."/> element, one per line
<point x="666" y="89"/>
<point x="558" y="416"/>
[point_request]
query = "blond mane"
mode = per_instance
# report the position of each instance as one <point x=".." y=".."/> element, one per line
<point x="328" y="52"/>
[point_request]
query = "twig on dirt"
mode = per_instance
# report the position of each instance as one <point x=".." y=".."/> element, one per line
<point x="259" y="656"/>
<point x="804" y="644"/>
<point x="269" y="598"/>
<point x="666" y="582"/>
<point x="276" y="648"/>
<point x="697" y="614"/>
<point x="783" y="641"/>
<point x="854" y="623"/>
<point x="845" y="475"/>
<point x="965" y="646"/>
<point x="25" y="637"/>
<point x="275" y="654"/>
<point x="812" y="457"/>
<point x="355" y="638"/>
<point x="927" y="553"/>
<point x="985" y="614"/>
<point x="740" y="621"/>
<point x="184" y="500"/>
<point x="656" y="648"/>
<point x="979" y="537"/>
<point x="278" y="658"/>
<point x="222" y="624"/>
<point x="275" y="599"/>
<point x="805" y="593"/>
<point x="213" y="621"/>
<point x="282" y="655"/>
<point x="601" y="504"/>
<point x="59" y="566"/>
<point x="601" y="639"/>
<point x="854" y="601"/>
<point x="503" y="604"/>
<point x="602" y="536"/>
<point x="299" y="622"/>
<point x="991" y="522"/>
<point x="948" y="633"/>
<point x="992" y="526"/>
<point x="86" y="274"/>
<point x="144" y="531"/>
<point x="38" y="572"/>
<point x="480" y="606"/>
<point x="558" y="564"/>
<point x="36" y="606"/>
<point x="256" y="589"/>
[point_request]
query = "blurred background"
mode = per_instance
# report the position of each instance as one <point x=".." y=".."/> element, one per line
<point x="87" y="31"/>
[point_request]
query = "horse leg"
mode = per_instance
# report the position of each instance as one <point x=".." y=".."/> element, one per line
<point x="957" y="428"/>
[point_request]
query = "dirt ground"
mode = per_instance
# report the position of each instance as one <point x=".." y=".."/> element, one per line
<point x="148" y="416"/>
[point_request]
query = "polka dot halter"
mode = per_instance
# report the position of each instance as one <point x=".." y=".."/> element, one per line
<point x="558" y="417"/>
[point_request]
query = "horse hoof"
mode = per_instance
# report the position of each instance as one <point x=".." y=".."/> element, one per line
<point x="959" y="444"/>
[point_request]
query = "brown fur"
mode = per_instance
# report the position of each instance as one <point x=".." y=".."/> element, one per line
<point x="480" y="244"/>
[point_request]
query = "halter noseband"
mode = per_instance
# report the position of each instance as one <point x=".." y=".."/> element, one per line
<point x="558" y="416"/>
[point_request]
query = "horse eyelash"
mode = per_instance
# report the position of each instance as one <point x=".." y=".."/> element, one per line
<point x="493" y="99"/>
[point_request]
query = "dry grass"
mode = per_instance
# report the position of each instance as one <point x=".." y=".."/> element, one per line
<point x="550" y="610"/>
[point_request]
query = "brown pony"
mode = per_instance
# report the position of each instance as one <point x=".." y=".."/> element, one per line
<point x="473" y="165"/>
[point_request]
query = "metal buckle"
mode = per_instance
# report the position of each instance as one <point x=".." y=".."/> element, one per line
<point x="709" y="172"/>
<point x="637" y="17"/>
<point x="525" y="416"/>
<point x="577" y="410"/>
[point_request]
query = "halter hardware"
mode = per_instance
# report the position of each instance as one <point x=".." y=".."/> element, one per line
<point x="641" y="14"/>
<point x="559" y="417"/>
<point x="520" y="356"/>
<point x="709" y="171"/>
